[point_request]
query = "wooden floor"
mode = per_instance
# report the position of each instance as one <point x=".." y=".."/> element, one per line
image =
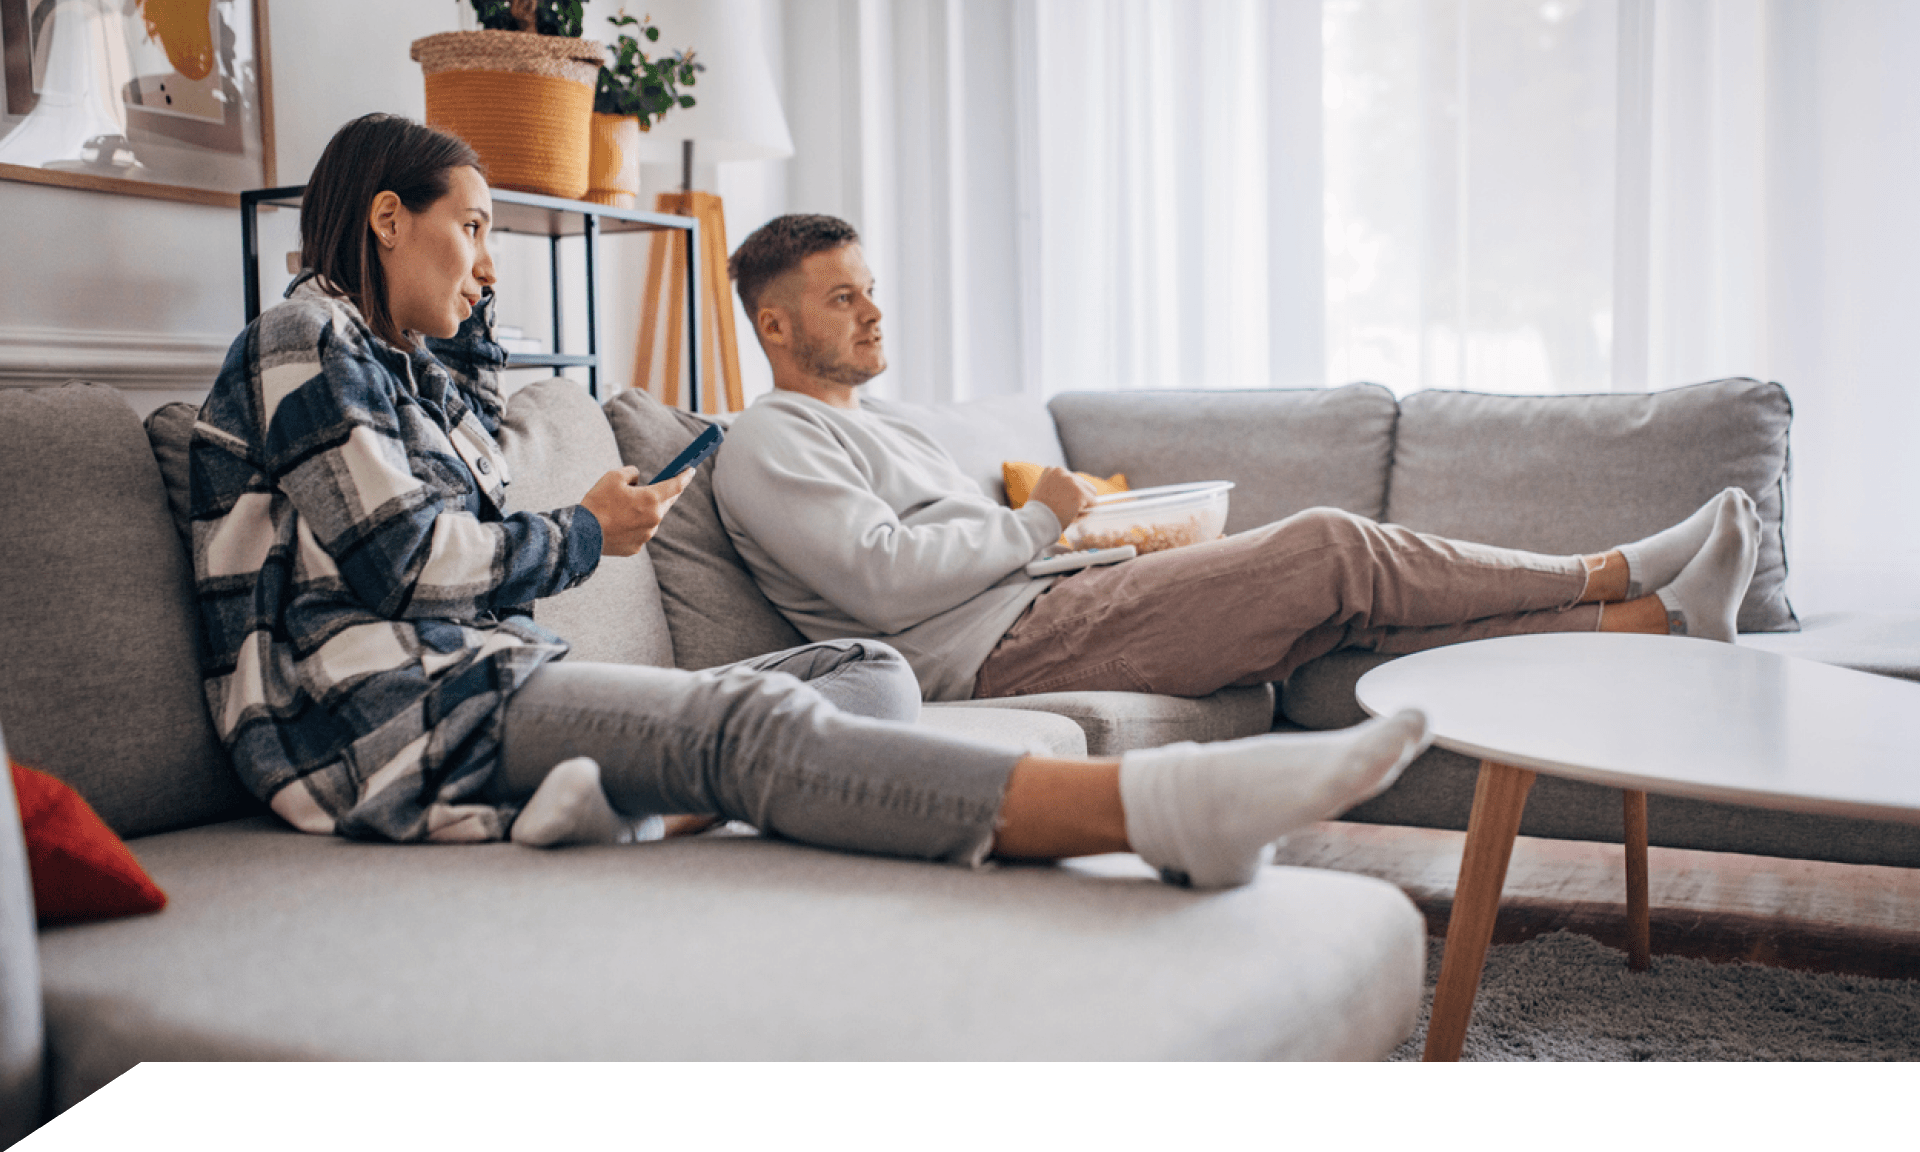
<point x="1717" y="906"/>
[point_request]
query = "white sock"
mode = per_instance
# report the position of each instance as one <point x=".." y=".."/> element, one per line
<point x="1704" y="599"/>
<point x="1655" y="562"/>
<point x="1206" y="815"/>
<point x="570" y="807"/>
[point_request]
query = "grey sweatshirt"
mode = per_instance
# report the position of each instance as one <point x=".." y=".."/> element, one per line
<point x="858" y="525"/>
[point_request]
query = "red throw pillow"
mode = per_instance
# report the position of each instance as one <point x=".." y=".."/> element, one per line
<point x="81" y="871"/>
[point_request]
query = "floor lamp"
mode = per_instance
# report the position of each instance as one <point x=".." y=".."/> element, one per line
<point x="736" y="116"/>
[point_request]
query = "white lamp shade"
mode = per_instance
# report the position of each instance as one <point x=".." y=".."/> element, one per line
<point x="736" y="113"/>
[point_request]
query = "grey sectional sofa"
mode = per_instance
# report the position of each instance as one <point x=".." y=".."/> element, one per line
<point x="277" y="944"/>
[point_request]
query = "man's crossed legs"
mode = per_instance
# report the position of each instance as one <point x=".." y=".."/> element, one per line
<point x="1252" y="608"/>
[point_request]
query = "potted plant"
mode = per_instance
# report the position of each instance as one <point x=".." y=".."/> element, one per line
<point x="634" y="91"/>
<point x="520" y="90"/>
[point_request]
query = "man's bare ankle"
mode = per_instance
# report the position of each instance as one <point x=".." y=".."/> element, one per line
<point x="1646" y="615"/>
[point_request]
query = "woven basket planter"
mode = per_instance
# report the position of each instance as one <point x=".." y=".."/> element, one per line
<point x="613" y="168"/>
<point x="524" y="101"/>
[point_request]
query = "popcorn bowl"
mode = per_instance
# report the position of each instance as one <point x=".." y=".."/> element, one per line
<point x="1153" y="519"/>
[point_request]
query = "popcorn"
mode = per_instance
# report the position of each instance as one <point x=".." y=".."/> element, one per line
<point x="1152" y="537"/>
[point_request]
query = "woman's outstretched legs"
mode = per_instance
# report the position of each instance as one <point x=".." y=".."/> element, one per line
<point x="772" y="751"/>
<point x="571" y="807"/>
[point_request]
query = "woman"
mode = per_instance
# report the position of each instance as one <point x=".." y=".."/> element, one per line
<point x="373" y="670"/>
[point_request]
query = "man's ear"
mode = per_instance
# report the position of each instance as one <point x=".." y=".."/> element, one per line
<point x="384" y="218"/>
<point x="772" y="325"/>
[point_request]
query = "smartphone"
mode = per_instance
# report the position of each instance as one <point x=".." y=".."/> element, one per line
<point x="702" y="447"/>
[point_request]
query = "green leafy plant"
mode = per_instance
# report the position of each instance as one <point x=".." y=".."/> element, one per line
<point x="634" y="84"/>
<point x="550" y="17"/>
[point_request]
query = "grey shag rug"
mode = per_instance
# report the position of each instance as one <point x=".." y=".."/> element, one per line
<point x="1567" y="997"/>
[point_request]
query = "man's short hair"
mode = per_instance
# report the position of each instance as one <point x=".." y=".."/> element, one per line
<point x="778" y="246"/>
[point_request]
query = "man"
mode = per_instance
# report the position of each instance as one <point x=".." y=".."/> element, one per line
<point x="856" y="524"/>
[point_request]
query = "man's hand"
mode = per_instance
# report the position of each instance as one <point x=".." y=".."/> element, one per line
<point x="1067" y="494"/>
<point x="630" y="512"/>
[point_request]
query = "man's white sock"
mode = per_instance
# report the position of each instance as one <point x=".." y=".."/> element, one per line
<point x="1704" y="599"/>
<point x="1656" y="562"/>
<point x="570" y="807"/>
<point x="1206" y="815"/>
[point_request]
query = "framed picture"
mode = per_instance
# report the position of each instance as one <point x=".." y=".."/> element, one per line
<point x="166" y="98"/>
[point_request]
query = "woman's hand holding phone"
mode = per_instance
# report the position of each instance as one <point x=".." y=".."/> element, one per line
<point x="631" y="512"/>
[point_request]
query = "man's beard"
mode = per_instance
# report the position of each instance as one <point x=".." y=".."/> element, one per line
<point x="816" y="360"/>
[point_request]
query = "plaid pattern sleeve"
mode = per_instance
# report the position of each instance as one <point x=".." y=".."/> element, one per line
<point x="362" y="586"/>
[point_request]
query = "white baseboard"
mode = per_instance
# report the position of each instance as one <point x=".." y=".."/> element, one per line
<point x="137" y="361"/>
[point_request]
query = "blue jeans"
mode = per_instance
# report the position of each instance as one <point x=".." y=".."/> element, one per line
<point x="814" y="744"/>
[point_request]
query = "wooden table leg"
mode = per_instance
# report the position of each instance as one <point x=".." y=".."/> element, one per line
<point x="1498" y="799"/>
<point x="1639" y="932"/>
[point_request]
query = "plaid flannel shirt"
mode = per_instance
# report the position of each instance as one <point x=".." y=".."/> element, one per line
<point x="363" y="590"/>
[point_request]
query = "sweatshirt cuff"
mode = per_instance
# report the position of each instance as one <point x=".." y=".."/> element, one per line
<point x="1043" y="527"/>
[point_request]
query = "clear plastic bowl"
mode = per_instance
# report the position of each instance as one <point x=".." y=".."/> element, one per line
<point x="1154" y="519"/>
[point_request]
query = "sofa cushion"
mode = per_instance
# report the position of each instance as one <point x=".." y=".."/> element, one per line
<point x="981" y="435"/>
<point x="1039" y="733"/>
<point x="1567" y="474"/>
<point x="1285" y="450"/>
<point x="1319" y="694"/>
<point x="170" y="435"/>
<point x="101" y="684"/>
<point x="715" y="947"/>
<point x="558" y="445"/>
<point x="715" y="611"/>
<point x="1116" y="722"/>
<point x="1885" y="643"/>
<point x="22" y="1040"/>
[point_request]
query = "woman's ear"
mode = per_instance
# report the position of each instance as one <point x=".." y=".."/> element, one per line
<point x="384" y="218"/>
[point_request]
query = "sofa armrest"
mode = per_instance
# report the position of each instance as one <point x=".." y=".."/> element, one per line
<point x="22" y="1031"/>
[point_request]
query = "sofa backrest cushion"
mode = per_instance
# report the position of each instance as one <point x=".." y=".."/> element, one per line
<point x="717" y="614"/>
<point x="981" y="435"/>
<point x="1569" y="474"/>
<point x="558" y="444"/>
<point x="100" y="677"/>
<point x="1285" y="450"/>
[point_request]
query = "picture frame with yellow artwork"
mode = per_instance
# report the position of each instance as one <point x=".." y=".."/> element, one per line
<point x="164" y="98"/>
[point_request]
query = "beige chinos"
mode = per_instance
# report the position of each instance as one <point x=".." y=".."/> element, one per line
<point x="1251" y="608"/>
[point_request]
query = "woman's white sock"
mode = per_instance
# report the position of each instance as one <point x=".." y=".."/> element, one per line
<point x="570" y="807"/>
<point x="1655" y="562"/>
<point x="1704" y="599"/>
<point x="1206" y="815"/>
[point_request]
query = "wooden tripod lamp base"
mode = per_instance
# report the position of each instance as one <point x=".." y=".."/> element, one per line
<point x="666" y="295"/>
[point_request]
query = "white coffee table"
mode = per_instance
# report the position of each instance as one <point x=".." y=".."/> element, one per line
<point x="1666" y="714"/>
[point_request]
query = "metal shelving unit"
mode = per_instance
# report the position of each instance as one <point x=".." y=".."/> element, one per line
<point x="527" y="214"/>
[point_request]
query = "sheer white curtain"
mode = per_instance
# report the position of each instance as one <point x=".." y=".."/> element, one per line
<point x="1507" y="195"/>
<point x="1625" y="195"/>
<point x="1070" y="194"/>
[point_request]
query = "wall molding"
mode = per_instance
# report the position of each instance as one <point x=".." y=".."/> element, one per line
<point x="126" y="360"/>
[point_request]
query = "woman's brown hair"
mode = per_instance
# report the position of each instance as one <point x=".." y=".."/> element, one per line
<point x="374" y="154"/>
